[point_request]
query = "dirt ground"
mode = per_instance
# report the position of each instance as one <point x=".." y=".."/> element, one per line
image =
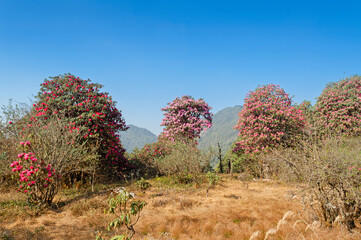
<point x="257" y="209"/>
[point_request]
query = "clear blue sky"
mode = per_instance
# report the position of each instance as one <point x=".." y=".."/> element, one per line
<point x="146" y="53"/>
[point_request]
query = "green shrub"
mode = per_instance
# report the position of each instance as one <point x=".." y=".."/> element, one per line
<point x="183" y="160"/>
<point x="127" y="213"/>
<point x="10" y="126"/>
<point x="184" y="178"/>
<point x="330" y="171"/>
<point x="143" y="161"/>
<point x="241" y="163"/>
<point x="142" y="184"/>
<point x="212" y="180"/>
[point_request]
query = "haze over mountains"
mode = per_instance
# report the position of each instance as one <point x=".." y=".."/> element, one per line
<point x="222" y="131"/>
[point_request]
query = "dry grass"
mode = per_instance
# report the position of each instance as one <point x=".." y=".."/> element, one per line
<point x="231" y="211"/>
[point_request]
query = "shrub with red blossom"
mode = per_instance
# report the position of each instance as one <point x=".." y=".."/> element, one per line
<point x="268" y="120"/>
<point x="185" y="118"/>
<point x="47" y="154"/>
<point x="338" y="108"/>
<point x="87" y="109"/>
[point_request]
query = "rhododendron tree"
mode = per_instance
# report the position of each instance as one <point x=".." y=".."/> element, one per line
<point x="186" y="117"/>
<point x="88" y="110"/>
<point x="338" y="108"/>
<point x="308" y="111"/>
<point x="267" y="120"/>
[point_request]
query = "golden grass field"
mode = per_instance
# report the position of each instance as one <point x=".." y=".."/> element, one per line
<point x="258" y="209"/>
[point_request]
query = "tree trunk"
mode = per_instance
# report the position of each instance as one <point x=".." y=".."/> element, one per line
<point x="220" y="158"/>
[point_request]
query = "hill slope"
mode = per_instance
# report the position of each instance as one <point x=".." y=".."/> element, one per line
<point x="136" y="137"/>
<point x="222" y="130"/>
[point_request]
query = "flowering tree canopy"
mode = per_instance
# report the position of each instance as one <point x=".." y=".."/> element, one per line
<point x="87" y="109"/>
<point x="338" y="108"/>
<point x="267" y="119"/>
<point x="186" y="117"/>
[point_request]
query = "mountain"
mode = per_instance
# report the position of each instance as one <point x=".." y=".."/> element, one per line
<point x="136" y="137"/>
<point x="222" y="129"/>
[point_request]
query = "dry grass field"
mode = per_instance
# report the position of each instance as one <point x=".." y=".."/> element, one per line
<point x="257" y="209"/>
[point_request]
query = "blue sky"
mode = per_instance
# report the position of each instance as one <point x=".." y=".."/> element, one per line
<point x="146" y="53"/>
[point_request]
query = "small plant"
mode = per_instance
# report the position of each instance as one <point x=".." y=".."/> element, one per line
<point x="143" y="184"/>
<point x="212" y="180"/>
<point x="127" y="213"/>
<point x="5" y="236"/>
<point x="331" y="173"/>
<point x="185" y="178"/>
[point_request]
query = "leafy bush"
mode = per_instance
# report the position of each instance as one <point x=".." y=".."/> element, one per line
<point x="48" y="152"/>
<point x="127" y="213"/>
<point x="338" y="108"/>
<point x="179" y="157"/>
<point x="240" y="163"/>
<point x="183" y="159"/>
<point x="143" y="184"/>
<point x="212" y="180"/>
<point x="331" y="173"/>
<point x="143" y="161"/>
<point x="7" y="153"/>
<point x="185" y="118"/>
<point x="9" y="137"/>
<point x="268" y="120"/>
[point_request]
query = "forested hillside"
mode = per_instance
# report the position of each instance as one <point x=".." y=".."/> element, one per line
<point x="222" y="130"/>
<point x="136" y="137"/>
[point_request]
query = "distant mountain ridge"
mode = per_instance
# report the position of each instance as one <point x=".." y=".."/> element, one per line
<point x="222" y="129"/>
<point x="136" y="137"/>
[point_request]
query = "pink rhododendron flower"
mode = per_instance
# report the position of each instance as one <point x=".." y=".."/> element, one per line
<point x="186" y="117"/>
<point x="267" y="119"/>
<point x="338" y="108"/>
